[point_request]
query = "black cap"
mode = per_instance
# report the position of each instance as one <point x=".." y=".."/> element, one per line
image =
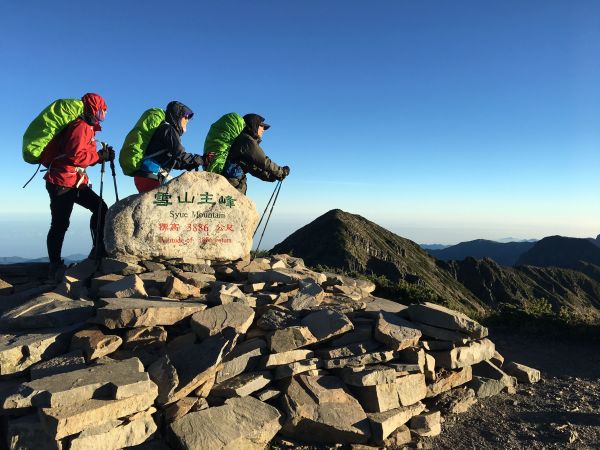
<point x="253" y="121"/>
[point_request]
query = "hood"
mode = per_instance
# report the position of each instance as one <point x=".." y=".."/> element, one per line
<point x="252" y="122"/>
<point x="175" y="111"/>
<point x="92" y="103"/>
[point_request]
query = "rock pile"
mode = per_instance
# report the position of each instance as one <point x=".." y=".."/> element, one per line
<point x="232" y="355"/>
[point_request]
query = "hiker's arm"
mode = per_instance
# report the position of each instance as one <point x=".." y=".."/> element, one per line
<point x="182" y="159"/>
<point x="80" y="148"/>
<point x="259" y="164"/>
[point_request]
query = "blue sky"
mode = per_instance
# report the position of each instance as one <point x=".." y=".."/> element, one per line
<point x="441" y="121"/>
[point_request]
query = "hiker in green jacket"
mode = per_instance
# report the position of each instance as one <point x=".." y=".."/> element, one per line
<point x="246" y="156"/>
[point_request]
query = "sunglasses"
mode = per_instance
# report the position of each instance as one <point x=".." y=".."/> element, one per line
<point x="189" y="115"/>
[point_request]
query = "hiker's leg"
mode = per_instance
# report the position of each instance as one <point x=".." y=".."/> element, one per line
<point x="92" y="201"/>
<point x="61" y="206"/>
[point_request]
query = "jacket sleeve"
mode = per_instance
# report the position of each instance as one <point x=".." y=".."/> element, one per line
<point x="181" y="158"/>
<point x="259" y="164"/>
<point x="79" y="146"/>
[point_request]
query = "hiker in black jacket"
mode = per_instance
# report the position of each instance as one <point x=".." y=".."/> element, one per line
<point x="246" y="156"/>
<point x="165" y="152"/>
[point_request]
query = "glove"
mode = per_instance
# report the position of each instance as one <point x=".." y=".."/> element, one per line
<point x="196" y="162"/>
<point x="208" y="158"/>
<point x="285" y="171"/>
<point x="107" y="154"/>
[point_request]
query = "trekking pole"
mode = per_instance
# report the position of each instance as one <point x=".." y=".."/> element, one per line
<point x="266" y="207"/>
<point x="114" y="174"/>
<point x="278" y="189"/>
<point x="99" y="221"/>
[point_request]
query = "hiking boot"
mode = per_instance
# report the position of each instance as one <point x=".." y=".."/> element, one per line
<point x="56" y="271"/>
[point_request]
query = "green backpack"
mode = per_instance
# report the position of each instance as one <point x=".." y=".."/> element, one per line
<point x="220" y="136"/>
<point x="51" y="121"/>
<point x="137" y="140"/>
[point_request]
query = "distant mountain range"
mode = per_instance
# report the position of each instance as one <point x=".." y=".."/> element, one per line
<point x="17" y="259"/>
<point x="555" y="251"/>
<point x="567" y="273"/>
<point x="506" y="253"/>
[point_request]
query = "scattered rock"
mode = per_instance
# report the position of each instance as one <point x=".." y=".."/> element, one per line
<point x="385" y="423"/>
<point x="522" y="373"/>
<point x="396" y="332"/>
<point x="49" y="310"/>
<point x="67" y="420"/>
<point x="129" y="286"/>
<point x="240" y="423"/>
<point x="442" y="317"/>
<point x="177" y="289"/>
<point x="19" y="351"/>
<point x="291" y="338"/>
<point x="59" y="364"/>
<point x="218" y="318"/>
<point x="94" y="343"/>
<point x="138" y="312"/>
<point x="319" y="410"/>
<point x="114" y="266"/>
<point x="473" y="353"/>
<point x="427" y="424"/>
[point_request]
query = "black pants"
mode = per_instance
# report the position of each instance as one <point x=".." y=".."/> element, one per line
<point x="61" y="206"/>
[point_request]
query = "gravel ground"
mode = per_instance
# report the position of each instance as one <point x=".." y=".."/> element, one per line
<point x="560" y="412"/>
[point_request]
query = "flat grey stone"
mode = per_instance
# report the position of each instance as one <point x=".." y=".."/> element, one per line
<point x="287" y="276"/>
<point x="68" y="420"/>
<point x="427" y="424"/>
<point x="356" y="349"/>
<point x="49" y="310"/>
<point x="59" y="364"/>
<point x="21" y="350"/>
<point x="448" y="380"/>
<point x="383" y="424"/>
<point x="277" y="319"/>
<point x="291" y="338"/>
<point x="377" y="304"/>
<point x="486" y="387"/>
<point x="194" y="365"/>
<point x="241" y="423"/>
<point x="291" y="369"/>
<point x="127" y="287"/>
<point x="138" y="312"/>
<point x="442" y="334"/>
<point x="522" y="372"/>
<point x="110" y="265"/>
<point x="442" y="317"/>
<point x="215" y="320"/>
<point x="242" y="385"/>
<point x="118" y="380"/>
<point x="468" y="355"/>
<point x="326" y="324"/>
<point x="396" y="332"/>
<point x="368" y="376"/>
<point x="359" y="334"/>
<point x="243" y="358"/>
<point x="319" y="410"/>
<point x="94" y="343"/>
<point x="362" y="360"/>
<point x="277" y="359"/>
<point x="116" y="435"/>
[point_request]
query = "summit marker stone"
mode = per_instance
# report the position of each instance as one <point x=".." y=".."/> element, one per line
<point x="197" y="216"/>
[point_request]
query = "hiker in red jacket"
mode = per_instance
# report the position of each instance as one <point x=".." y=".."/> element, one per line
<point x="67" y="156"/>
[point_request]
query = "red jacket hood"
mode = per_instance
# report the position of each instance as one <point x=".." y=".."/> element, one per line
<point x="92" y="103"/>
